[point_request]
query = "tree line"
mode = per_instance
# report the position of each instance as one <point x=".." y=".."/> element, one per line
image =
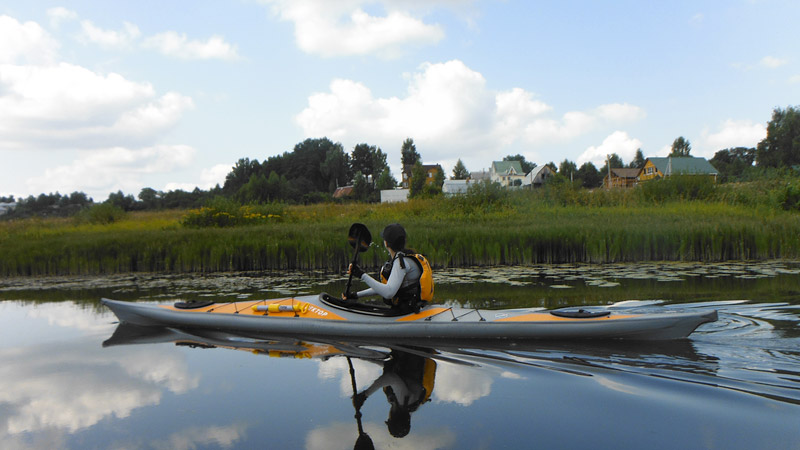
<point x="315" y="168"/>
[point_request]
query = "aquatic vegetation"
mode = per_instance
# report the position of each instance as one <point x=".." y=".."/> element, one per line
<point x="522" y="228"/>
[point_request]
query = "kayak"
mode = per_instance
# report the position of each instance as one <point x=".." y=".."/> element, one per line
<point x="327" y="317"/>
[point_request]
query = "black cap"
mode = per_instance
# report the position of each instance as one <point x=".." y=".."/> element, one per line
<point x="395" y="236"/>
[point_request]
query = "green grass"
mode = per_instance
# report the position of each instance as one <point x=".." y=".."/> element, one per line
<point x="520" y="228"/>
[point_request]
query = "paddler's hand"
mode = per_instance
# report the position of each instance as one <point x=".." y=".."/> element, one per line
<point x="359" y="399"/>
<point x="355" y="271"/>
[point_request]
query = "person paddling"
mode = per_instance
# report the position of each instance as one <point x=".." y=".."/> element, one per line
<point x="406" y="279"/>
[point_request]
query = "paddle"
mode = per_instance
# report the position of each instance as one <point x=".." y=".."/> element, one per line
<point x="359" y="238"/>
<point x="363" y="441"/>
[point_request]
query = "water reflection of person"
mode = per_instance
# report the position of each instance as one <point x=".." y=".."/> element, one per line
<point x="407" y="381"/>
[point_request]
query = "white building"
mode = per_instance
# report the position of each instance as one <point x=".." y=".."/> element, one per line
<point x="507" y="173"/>
<point x="538" y="176"/>
<point x="394" y="195"/>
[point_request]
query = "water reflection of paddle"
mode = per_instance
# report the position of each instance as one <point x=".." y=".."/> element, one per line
<point x="363" y="441"/>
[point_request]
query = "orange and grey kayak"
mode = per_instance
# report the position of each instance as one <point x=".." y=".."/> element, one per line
<point x="323" y="316"/>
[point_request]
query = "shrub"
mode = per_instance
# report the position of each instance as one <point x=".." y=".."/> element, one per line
<point x="789" y="196"/>
<point x="101" y="214"/>
<point x="222" y="212"/>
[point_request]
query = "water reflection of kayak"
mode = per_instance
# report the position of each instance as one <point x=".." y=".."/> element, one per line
<point x="323" y="316"/>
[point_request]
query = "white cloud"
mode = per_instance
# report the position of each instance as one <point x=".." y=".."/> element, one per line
<point x="99" y="172"/>
<point x="209" y="178"/>
<point x="24" y="43"/>
<point x="343" y="28"/>
<point x="460" y="385"/>
<point x="772" y="62"/>
<point x="617" y="142"/>
<point x="56" y="388"/>
<point x="59" y="15"/>
<point x="449" y="108"/>
<point x="732" y="133"/>
<point x="68" y="106"/>
<point x="171" y="43"/>
<point x="620" y="112"/>
<point x="342" y="435"/>
<point x="123" y="38"/>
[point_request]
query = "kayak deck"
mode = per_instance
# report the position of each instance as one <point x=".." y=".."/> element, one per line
<point x="312" y="316"/>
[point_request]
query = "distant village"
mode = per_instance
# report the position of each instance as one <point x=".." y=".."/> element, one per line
<point x="511" y="175"/>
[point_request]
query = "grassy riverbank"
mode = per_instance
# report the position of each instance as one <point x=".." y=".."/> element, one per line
<point x="514" y="229"/>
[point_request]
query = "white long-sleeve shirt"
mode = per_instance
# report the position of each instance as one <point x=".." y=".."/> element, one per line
<point x="399" y="277"/>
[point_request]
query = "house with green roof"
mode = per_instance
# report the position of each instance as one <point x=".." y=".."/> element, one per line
<point x="507" y="173"/>
<point x="657" y="167"/>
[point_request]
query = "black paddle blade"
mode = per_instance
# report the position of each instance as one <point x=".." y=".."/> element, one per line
<point x="359" y="236"/>
<point x="364" y="442"/>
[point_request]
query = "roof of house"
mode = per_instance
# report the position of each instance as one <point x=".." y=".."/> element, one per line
<point x="426" y="167"/>
<point x="344" y="191"/>
<point x="673" y="165"/>
<point x="625" y="172"/>
<point x="482" y="175"/>
<point x="506" y="167"/>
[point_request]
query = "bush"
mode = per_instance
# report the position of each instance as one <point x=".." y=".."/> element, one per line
<point x="222" y="212"/>
<point x="102" y="214"/>
<point x="789" y="197"/>
<point x="677" y="187"/>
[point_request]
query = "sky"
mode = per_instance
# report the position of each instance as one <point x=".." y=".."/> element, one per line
<point x="99" y="96"/>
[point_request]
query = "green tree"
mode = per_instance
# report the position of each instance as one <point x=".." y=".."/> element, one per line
<point x="616" y="163"/>
<point x="150" y="198"/>
<point x="336" y="168"/>
<point x="122" y="201"/>
<point x="638" y="160"/>
<point x="362" y="159"/>
<point x="379" y="164"/>
<point x="781" y="147"/>
<point x="239" y="175"/>
<point x="680" y="147"/>
<point x="361" y="188"/>
<point x="408" y="153"/>
<point x="589" y="176"/>
<point x="418" y="178"/>
<point x="568" y="169"/>
<point x="526" y="166"/>
<point x="460" y="172"/>
<point x="385" y="180"/>
<point x="733" y="163"/>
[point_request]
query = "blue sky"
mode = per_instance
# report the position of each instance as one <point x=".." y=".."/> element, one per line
<point x="106" y="96"/>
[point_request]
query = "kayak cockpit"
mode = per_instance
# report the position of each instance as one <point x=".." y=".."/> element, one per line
<point x="360" y="308"/>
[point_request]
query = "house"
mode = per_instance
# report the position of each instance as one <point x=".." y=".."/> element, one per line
<point x="537" y="176"/>
<point x="343" y="192"/>
<point x="479" y="176"/>
<point x="6" y="207"/>
<point x="507" y="173"/>
<point x="676" y="165"/>
<point x="622" y="177"/>
<point x="394" y="195"/>
<point x="430" y="170"/>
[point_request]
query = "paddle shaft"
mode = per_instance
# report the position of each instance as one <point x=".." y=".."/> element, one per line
<point x="355" y="259"/>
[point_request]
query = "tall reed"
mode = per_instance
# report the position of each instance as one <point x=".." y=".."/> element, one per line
<point x="526" y="228"/>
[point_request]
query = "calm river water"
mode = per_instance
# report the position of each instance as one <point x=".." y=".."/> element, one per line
<point x="72" y="379"/>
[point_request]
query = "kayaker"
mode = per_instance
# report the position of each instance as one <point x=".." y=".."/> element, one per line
<point x="407" y="381"/>
<point x="406" y="279"/>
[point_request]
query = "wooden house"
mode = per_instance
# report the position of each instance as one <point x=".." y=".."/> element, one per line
<point x="430" y="172"/>
<point x="621" y="177"/>
<point x="676" y="165"/>
<point x="538" y="176"/>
